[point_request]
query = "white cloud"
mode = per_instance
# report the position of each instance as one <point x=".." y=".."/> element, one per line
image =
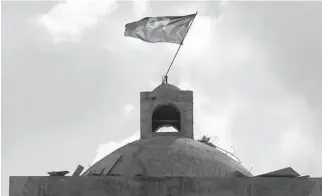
<point x="197" y="41"/>
<point x="199" y="36"/>
<point x="128" y="108"/>
<point x="67" y="20"/>
<point x="242" y="49"/>
<point x="183" y="85"/>
<point x="140" y="8"/>
<point x="155" y="83"/>
<point x="224" y="3"/>
<point x="296" y="144"/>
<point x="210" y="124"/>
<point x="109" y="147"/>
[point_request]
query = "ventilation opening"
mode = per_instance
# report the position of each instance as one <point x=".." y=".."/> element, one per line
<point x="164" y="118"/>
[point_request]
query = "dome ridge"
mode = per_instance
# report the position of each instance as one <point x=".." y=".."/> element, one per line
<point x="166" y="86"/>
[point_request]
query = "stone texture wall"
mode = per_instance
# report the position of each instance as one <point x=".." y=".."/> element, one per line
<point x="182" y="100"/>
<point x="166" y="186"/>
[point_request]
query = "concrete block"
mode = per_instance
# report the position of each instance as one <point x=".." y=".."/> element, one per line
<point x="163" y="186"/>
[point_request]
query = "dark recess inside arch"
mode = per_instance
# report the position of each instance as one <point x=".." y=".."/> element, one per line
<point x="165" y="116"/>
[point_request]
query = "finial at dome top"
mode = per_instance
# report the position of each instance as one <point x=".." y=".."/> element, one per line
<point x="165" y="79"/>
<point x="167" y="106"/>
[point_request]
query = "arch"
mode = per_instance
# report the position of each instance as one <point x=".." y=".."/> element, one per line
<point x="166" y="116"/>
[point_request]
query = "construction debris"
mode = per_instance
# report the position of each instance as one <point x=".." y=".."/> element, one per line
<point x="78" y="170"/>
<point x="58" y="173"/>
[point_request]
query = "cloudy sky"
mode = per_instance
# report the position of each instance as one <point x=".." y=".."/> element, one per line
<point x="71" y="81"/>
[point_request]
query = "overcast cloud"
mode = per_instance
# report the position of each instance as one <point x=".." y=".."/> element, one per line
<point x="71" y="81"/>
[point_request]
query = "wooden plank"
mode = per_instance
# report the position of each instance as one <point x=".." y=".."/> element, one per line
<point x="78" y="170"/>
<point x="285" y="172"/>
<point x="105" y="165"/>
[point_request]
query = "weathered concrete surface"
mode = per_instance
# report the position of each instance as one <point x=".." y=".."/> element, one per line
<point x="168" y="156"/>
<point x="163" y="95"/>
<point x="171" y="186"/>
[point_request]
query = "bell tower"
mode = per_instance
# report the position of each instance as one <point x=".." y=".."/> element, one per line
<point x="166" y="106"/>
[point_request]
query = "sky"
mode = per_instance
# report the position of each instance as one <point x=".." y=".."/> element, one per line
<point x="71" y="81"/>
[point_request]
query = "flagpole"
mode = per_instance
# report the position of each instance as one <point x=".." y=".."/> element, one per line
<point x="165" y="79"/>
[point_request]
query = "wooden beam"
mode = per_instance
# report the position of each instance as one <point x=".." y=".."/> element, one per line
<point x="78" y="170"/>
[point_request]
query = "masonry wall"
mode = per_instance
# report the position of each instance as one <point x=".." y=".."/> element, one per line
<point x="121" y="186"/>
<point x="182" y="100"/>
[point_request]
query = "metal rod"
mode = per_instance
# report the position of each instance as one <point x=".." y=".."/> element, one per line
<point x="166" y="75"/>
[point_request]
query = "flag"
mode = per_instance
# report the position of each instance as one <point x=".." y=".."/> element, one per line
<point x="172" y="29"/>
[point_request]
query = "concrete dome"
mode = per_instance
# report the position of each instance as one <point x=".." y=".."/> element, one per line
<point x="167" y="156"/>
<point x="166" y="86"/>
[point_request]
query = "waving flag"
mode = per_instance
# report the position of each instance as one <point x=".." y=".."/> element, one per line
<point x="172" y="29"/>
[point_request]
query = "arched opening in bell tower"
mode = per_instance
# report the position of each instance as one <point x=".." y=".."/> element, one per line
<point x="166" y="117"/>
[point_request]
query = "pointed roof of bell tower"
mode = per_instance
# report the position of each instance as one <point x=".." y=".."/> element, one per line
<point x="166" y="106"/>
<point x="166" y="86"/>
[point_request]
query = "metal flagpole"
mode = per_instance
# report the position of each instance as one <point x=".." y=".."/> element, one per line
<point x="165" y="79"/>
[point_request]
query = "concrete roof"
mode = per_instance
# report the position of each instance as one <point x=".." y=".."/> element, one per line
<point x="166" y="86"/>
<point x="167" y="156"/>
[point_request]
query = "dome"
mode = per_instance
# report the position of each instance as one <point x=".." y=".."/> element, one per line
<point x="167" y="156"/>
<point x="161" y="154"/>
<point x="166" y="86"/>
